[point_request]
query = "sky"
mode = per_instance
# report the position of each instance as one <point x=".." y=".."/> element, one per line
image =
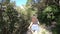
<point x="20" y="2"/>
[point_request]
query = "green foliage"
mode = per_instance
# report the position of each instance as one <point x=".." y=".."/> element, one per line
<point x="12" y="22"/>
<point x="48" y="13"/>
<point x="18" y="20"/>
<point x="48" y="9"/>
<point x="9" y="18"/>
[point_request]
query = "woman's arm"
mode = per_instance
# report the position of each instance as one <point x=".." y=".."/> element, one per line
<point x="38" y="23"/>
<point x="30" y="25"/>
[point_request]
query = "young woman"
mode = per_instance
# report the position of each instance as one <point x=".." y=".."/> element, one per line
<point x="34" y="26"/>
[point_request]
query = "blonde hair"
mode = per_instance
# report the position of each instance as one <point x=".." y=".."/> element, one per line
<point x="34" y="17"/>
